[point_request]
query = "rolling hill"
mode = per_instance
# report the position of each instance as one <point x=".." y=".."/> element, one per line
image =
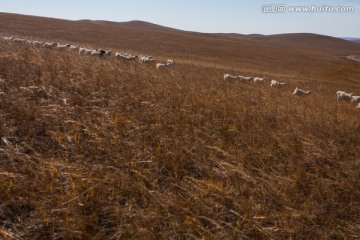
<point x="355" y="40"/>
<point x="296" y="40"/>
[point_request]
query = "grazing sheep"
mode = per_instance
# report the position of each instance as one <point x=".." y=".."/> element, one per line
<point x="355" y="99"/>
<point x="146" y="59"/>
<point x="82" y="51"/>
<point x="301" y="93"/>
<point x="37" y="43"/>
<point x="8" y="39"/>
<point x="230" y="78"/>
<point x="123" y="57"/>
<point x="107" y="53"/>
<point x="88" y="51"/>
<point x="49" y="45"/>
<point x="358" y="106"/>
<point x="100" y="53"/>
<point x="165" y="65"/>
<point x="162" y="65"/>
<point x="85" y="51"/>
<point x="19" y="40"/>
<point x="72" y="47"/>
<point x="103" y="53"/>
<point x="62" y="46"/>
<point x="276" y="84"/>
<point x="244" y="79"/>
<point x="97" y="53"/>
<point x="341" y="95"/>
<point x="259" y="80"/>
<point x="132" y="57"/>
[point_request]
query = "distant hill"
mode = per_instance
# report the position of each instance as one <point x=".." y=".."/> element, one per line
<point x="306" y="40"/>
<point x="297" y="40"/>
<point x="147" y="26"/>
<point x="134" y="24"/>
<point x="355" y="40"/>
<point x="23" y="25"/>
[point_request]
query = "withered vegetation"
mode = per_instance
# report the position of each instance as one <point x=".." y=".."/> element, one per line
<point x="97" y="148"/>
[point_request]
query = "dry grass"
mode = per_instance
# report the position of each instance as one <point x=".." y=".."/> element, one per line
<point x="137" y="153"/>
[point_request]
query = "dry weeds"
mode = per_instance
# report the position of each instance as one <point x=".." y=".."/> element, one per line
<point x="136" y="153"/>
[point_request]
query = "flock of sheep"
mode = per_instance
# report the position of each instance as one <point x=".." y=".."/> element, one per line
<point x="341" y="95"/>
<point x="91" y="52"/>
<point x="348" y="97"/>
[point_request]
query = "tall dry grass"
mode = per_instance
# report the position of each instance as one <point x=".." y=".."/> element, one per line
<point x="95" y="148"/>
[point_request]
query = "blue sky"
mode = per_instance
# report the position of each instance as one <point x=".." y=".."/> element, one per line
<point x="225" y="16"/>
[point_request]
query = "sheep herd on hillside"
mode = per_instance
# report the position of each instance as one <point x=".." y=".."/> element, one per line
<point x="91" y="52"/>
<point x="348" y="97"/>
<point x="341" y="95"/>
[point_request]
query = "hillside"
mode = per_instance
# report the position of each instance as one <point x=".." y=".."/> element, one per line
<point x="297" y="40"/>
<point x="355" y="40"/>
<point x="136" y="24"/>
<point x="96" y="148"/>
<point x="307" y="41"/>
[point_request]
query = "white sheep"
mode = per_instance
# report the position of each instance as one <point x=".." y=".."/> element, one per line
<point x="146" y="59"/>
<point x="168" y="63"/>
<point x="120" y="56"/>
<point x="100" y="53"/>
<point x="355" y="99"/>
<point x="62" y="46"/>
<point x="132" y="57"/>
<point x="85" y="51"/>
<point x="230" y="78"/>
<point x="301" y="93"/>
<point x="37" y="43"/>
<point x="341" y="95"/>
<point x="97" y="53"/>
<point x="163" y="65"/>
<point x="72" y="47"/>
<point x="19" y="40"/>
<point x="171" y="61"/>
<point x="123" y="57"/>
<point x="259" y="80"/>
<point x="244" y="79"/>
<point x="107" y="53"/>
<point x="8" y="39"/>
<point x="88" y="51"/>
<point x="103" y="53"/>
<point x="82" y="50"/>
<point x="49" y="45"/>
<point x="276" y="84"/>
<point x="358" y="106"/>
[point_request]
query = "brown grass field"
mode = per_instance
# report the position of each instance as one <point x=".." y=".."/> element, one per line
<point x="137" y="153"/>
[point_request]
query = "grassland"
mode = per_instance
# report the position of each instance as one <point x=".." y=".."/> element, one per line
<point x="136" y="153"/>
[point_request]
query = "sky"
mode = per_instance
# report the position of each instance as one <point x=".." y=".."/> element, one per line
<point x="209" y="16"/>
